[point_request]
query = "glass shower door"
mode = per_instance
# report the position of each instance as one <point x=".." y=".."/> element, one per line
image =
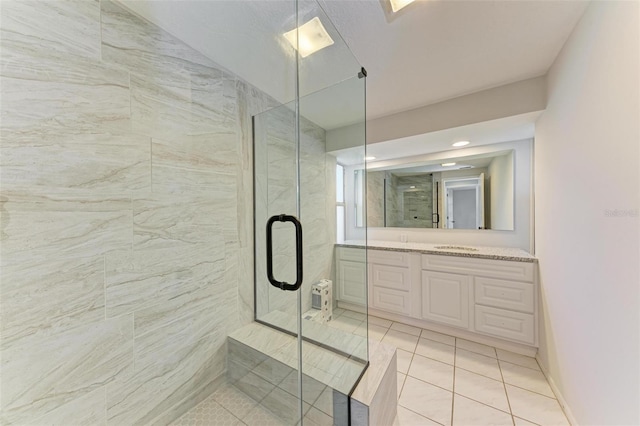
<point x="278" y="253"/>
<point x="296" y="226"/>
<point x="296" y="214"/>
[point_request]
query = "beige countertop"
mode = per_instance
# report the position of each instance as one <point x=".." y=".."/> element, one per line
<point x="460" y="250"/>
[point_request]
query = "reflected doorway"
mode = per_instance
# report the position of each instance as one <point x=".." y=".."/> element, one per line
<point x="464" y="202"/>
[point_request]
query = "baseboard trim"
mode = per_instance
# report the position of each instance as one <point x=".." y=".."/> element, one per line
<point x="351" y="307"/>
<point x="518" y="348"/>
<point x="556" y="391"/>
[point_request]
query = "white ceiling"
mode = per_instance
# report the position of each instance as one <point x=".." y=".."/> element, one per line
<point x="436" y="166"/>
<point x="433" y="50"/>
<point x="247" y="38"/>
<point x="441" y="49"/>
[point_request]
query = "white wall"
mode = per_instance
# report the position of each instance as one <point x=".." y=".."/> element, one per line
<point x="586" y="166"/>
<point x="499" y="102"/>
<point x="501" y="192"/>
<point x="346" y="137"/>
<point x="520" y="237"/>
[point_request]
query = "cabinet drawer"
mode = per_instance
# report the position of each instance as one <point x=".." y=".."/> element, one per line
<point x="504" y="294"/>
<point x="510" y="270"/>
<point x="507" y="324"/>
<point x="392" y="300"/>
<point x="383" y="257"/>
<point x="351" y="254"/>
<point x="393" y="277"/>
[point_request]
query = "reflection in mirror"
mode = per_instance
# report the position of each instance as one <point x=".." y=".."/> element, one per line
<point x="469" y="192"/>
<point x="464" y="206"/>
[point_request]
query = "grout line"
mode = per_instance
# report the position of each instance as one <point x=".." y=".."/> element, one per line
<point x="431" y="384"/>
<point x="522" y="418"/>
<point x="313" y="404"/>
<point x="401" y="386"/>
<point x="523" y="366"/>
<point x="484" y="403"/>
<point x="504" y="385"/>
<point x="495" y="356"/>
<point x="223" y="407"/>
<point x="436" y="360"/>
<point x="409" y="367"/>
<point x="439" y="360"/>
<point x="480" y="374"/>
<point x="477" y="353"/>
<point x="529" y="390"/>
<point x="415" y="412"/>
<point x="385" y="333"/>
<point x="453" y="390"/>
<point x="436" y="341"/>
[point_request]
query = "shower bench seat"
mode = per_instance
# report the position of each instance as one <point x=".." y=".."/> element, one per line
<point x="262" y="361"/>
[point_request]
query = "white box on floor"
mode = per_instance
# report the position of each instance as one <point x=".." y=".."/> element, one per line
<point x="321" y="298"/>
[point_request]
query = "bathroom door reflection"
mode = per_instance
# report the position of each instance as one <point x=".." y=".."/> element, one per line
<point x="464" y="203"/>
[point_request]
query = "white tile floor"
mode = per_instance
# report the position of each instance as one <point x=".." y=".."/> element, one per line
<point x="441" y="380"/>
<point x="450" y="381"/>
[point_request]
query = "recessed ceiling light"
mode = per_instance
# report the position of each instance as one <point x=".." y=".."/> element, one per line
<point x="461" y="143"/>
<point x="313" y="37"/>
<point x="369" y="158"/>
<point x="448" y="164"/>
<point x="412" y="187"/>
<point x="396" y="5"/>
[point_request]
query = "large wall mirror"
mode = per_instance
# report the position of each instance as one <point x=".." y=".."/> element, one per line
<point x="474" y="191"/>
<point x="433" y="187"/>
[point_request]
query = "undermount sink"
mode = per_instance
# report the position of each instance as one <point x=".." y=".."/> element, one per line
<point x="455" y="248"/>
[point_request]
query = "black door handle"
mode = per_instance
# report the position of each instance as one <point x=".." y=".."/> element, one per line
<point x="435" y="216"/>
<point x="282" y="285"/>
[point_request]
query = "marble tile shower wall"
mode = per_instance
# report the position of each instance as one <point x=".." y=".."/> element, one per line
<point x="416" y="207"/>
<point x="375" y="199"/>
<point x="392" y="201"/>
<point x="126" y="216"/>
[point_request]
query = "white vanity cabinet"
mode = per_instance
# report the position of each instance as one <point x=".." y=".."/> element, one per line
<point x="500" y="300"/>
<point x="475" y="296"/>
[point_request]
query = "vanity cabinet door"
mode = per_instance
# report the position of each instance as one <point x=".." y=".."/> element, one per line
<point x="351" y="282"/>
<point x="445" y="298"/>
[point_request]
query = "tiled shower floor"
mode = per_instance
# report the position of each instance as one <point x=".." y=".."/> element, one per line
<point x="442" y="380"/>
<point x="229" y="407"/>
